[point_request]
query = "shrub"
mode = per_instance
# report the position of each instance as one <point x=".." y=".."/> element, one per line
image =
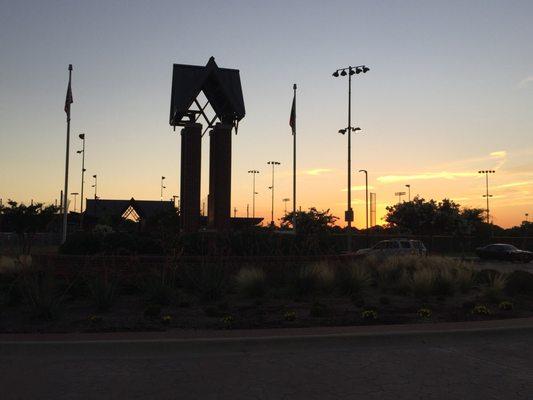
<point x="494" y="290"/>
<point x="318" y="310"/>
<point x="228" y="321"/>
<point x="355" y="279"/>
<point x="251" y="282"/>
<point x="369" y="315"/>
<point x="519" y="282"/>
<point x="424" y="313"/>
<point x="102" y="289"/>
<point x="152" y="311"/>
<point x="384" y="300"/>
<point x="159" y="288"/>
<point x="505" y="305"/>
<point x="481" y="310"/>
<point x="289" y="316"/>
<point x="208" y="280"/>
<point x="94" y="319"/>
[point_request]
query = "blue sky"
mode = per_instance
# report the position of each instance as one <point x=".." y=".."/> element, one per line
<point x="450" y="83"/>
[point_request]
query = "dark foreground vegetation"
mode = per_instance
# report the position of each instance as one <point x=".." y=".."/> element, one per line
<point x="224" y="295"/>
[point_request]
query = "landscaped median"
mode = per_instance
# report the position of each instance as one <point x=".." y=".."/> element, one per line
<point x="218" y="294"/>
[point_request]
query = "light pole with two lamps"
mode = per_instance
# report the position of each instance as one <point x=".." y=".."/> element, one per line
<point x="349" y="71"/>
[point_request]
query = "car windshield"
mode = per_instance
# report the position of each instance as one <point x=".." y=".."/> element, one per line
<point x="405" y="244"/>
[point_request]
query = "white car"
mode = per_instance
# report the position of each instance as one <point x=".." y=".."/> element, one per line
<point x="395" y="247"/>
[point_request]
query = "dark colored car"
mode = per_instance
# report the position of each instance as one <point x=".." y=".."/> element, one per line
<point x="505" y="252"/>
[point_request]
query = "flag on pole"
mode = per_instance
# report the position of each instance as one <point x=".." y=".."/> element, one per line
<point x="292" y="119"/>
<point x="68" y="99"/>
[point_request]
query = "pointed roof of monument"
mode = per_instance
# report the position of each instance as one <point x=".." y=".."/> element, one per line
<point x="221" y="86"/>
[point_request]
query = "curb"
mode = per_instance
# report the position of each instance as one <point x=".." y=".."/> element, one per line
<point x="296" y="340"/>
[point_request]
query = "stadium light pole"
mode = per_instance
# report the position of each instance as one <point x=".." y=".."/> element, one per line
<point x="273" y="163"/>
<point x="253" y="172"/>
<point x="399" y="194"/>
<point x="409" y="192"/>
<point x="349" y="71"/>
<point x="487" y="195"/>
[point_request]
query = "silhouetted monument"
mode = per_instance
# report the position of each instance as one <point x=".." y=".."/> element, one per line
<point x="222" y="89"/>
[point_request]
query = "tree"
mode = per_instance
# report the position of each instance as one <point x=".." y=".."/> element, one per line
<point x="421" y="217"/>
<point x="309" y="222"/>
<point x="25" y="221"/>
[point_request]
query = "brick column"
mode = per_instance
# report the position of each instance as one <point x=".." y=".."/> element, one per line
<point x="191" y="157"/>
<point x="219" y="205"/>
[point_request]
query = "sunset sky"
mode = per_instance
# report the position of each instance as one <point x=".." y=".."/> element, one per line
<point x="449" y="92"/>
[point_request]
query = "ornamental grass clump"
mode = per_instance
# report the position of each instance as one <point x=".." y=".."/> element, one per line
<point x="208" y="280"/>
<point x="422" y="282"/>
<point x="444" y="284"/>
<point x="464" y="279"/>
<point x="251" y="282"/>
<point x="312" y="278"/>
<point x="493" y="291"/>
<point x="102" y="289"/>
<point x="354" y="279"/>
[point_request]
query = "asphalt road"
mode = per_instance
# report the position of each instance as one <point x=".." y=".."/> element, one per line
<point x="481" y="365"/>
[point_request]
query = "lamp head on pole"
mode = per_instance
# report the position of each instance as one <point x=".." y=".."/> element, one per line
<point x="82" y="136"/>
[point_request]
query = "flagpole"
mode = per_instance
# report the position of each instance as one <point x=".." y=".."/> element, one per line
<point x="294" y="164"/>
<point x="65" y="192"/>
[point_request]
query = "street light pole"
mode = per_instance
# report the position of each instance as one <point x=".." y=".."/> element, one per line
<point x="95" y="186"/>
<point x="273" y="163"/>
<point x="82" y="152"/>
<point x="487" y="195"/>
<point x="366" y="195"/>
<point x="253" y="172"/>
<point x="162" y="187"/>
<point x="349" y="212"/>
<point x="285" y="202"/>
<point x="409" y="192"/>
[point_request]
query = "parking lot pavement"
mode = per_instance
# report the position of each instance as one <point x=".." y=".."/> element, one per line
<point x="481" y="365"/>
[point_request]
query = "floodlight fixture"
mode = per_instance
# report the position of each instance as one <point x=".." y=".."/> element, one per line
<point x="343" y="73"/>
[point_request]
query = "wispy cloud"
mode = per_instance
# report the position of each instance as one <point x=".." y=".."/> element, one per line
<point x="525" y="82"/>
<point x="426" y="176"/>
<point x="514" y="184"/>
<point x="360" y="187"/>
<point x="317" y="171"/>
<point x="499" y="154"/>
